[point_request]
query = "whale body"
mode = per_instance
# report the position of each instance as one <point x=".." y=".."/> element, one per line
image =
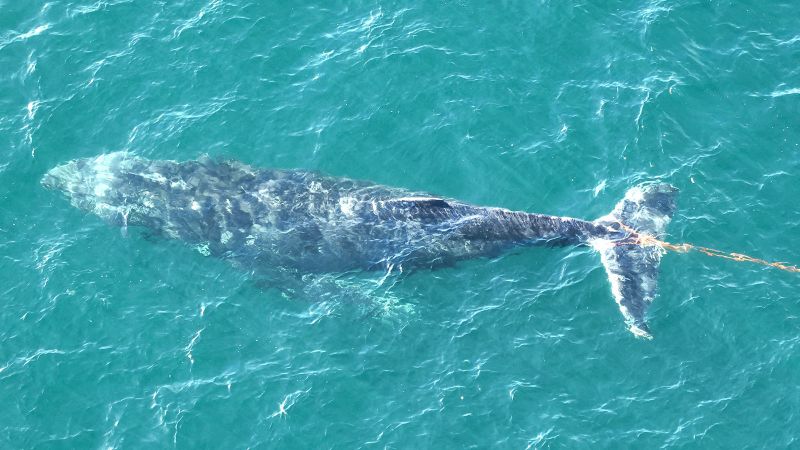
<point x="308" y="222"/>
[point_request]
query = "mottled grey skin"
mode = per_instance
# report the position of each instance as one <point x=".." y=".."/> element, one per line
<point x="299" y="219"/>
<point x="302" y="220"/>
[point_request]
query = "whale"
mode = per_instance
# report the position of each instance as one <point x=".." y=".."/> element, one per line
<point x="307" y="222"/>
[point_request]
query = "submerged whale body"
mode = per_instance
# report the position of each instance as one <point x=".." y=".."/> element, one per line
<point x="308" y="222"/>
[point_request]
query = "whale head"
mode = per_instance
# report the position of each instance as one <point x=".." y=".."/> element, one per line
<point x="107" y="185"/>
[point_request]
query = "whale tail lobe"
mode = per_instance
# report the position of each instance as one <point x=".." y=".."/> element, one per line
<point x="632" y="268"/>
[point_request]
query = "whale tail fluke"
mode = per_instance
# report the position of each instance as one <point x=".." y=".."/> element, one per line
<point x="632" y="268"/>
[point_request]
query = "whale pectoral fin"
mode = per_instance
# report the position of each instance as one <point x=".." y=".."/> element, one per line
<point x="632" y="268"/>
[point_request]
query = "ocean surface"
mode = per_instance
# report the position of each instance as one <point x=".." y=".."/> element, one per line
<point x="119" y="341"/>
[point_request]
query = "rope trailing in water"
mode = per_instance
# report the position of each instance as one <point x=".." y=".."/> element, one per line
<point x="647" y="240"/>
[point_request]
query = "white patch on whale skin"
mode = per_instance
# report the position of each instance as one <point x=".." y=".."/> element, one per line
<point x="104" y="172"/>
<point x="102" y="168"/>
<point x="604" y="247"/>
<point x="180" y="184"/>
<point x="155" y="177"/>
<point x="315" y="187"/>
<point x="225" y="237"/>
<point x="203" y="249"/>
<point x="635" y="195"/>
<point x="264" y="195"/>
<point x="100" y="189"/>
<point x="147" y="200"/>
<point x="346" y="205"/>
<point x="195" y="206"/>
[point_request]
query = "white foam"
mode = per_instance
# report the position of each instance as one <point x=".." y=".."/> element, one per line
<point x="785" y="92"/>
<point x="31" y="108"/>
<point x="34" y="32"/>
<point x="599" y="188"/>
<point x="601" y="245"/>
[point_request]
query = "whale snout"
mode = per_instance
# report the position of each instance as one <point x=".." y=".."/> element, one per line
<point x="82" y="176"/>
<point x="61" y="177"/>
<point x="100" y="183"/>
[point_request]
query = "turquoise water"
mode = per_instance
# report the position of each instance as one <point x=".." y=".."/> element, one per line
<point x="108" y="341"/>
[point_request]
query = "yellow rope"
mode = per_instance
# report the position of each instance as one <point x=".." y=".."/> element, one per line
<point x="647" y="240"/>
